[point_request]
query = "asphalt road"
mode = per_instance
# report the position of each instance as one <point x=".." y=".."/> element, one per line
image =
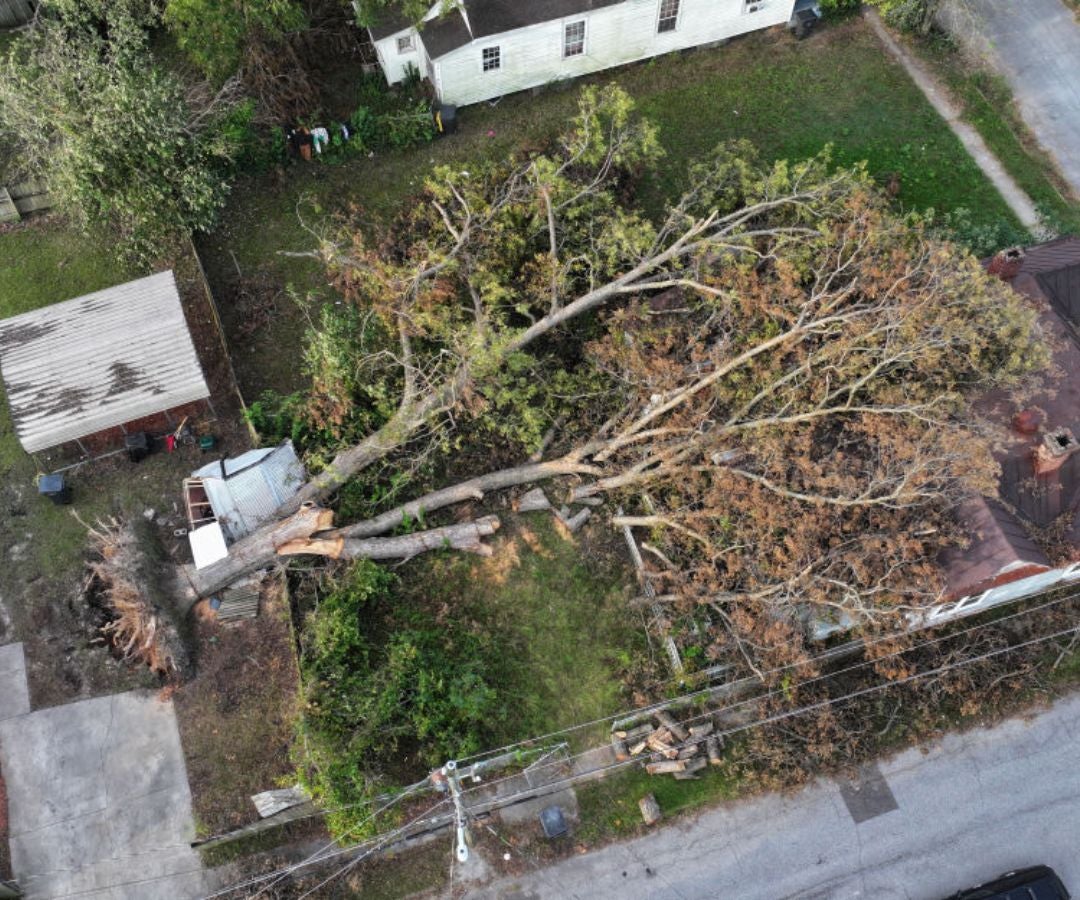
<point x="1035" y="44"/>
<point x="931" y="821"/>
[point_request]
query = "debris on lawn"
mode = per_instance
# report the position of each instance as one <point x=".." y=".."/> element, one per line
<point x="672" y="748"/>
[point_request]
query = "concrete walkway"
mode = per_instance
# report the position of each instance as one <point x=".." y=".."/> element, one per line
<point x="922" y="825"/>
<point x="98" y="799"/>
<point x="1019" y="202"/>
<point x="1035" y="45"/>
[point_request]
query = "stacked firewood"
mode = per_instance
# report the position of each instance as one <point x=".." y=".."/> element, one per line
<point x="672" y="749"/>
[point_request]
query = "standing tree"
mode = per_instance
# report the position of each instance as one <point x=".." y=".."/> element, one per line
<point x="119" y="142"/>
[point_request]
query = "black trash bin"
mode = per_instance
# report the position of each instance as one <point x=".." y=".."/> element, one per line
<point x="55" y="488"/>
<point x="447" y="118"/>
<point x="137" y="445"/>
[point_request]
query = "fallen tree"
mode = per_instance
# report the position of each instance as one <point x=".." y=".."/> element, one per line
<point x="782" y="366"/>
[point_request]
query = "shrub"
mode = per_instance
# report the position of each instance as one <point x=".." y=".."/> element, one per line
<point x="382" y="681"/>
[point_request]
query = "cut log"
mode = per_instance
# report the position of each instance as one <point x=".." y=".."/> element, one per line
<point x="666" y="767"/>
<point x="692" y="766"/>
<point x="533" y="501"/>
<point x="650" y="809"/>
<point x="619" y="747"/>
<point x="688" y="752"/>
<point x="591" y="501"/>
<point x="636" y="749"/>
<point x="668" y="721"/>
<point x="660" y="741"/>
<point x="634" y="734"/>
<point x="712" y="748"/>
<point x="700" y="731"/>
<point x="575" y="522"/>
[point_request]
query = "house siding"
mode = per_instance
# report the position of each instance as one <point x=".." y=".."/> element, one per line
<point x="394" y="64"/>
<point x="615" y="35"/>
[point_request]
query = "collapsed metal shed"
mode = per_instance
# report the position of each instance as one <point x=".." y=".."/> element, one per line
<point x="99" y="362"/>
<point x="244" y="492"/>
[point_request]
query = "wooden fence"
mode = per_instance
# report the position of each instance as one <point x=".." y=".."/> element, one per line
<point x="14" y="13"/>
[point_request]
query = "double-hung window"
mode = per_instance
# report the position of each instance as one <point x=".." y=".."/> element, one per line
<point x="405" y="44"/>
<point x="669" y="16"/>
<point x="491" y="58"/>
<point x="574" y="39"/>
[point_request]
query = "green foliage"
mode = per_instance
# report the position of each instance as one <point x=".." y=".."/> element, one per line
<point x="277" y="417"/>
<point x="980" y="238"/>
<point x="382" y="680"/>
<point x="410" y="125"/>
<point x="836" y="8"/>
<point x="909" y="15"/>
<point x="256" y="150"/>
<point x="214" y="33"/>
<point x="112" y="135"/>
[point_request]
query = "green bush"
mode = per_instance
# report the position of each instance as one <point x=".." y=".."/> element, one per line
<point x="383" y="682"/>
<point x="836" y="8"/>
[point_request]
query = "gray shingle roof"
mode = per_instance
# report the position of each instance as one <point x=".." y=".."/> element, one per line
<point x="98" y="361"/>
<point x="489" y="17"/>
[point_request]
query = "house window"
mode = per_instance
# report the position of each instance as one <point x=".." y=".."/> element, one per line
<point x="405" y="44"/>
<point x="669" y="16"/>
<point x="752" y="6"/>
<point x="574" y="39"/>
<point x="492" y="59"/>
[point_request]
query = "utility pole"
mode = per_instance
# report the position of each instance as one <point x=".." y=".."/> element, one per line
<point x="451" y="773"/>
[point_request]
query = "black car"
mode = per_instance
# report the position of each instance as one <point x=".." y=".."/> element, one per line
<point x="1036" y="883"/>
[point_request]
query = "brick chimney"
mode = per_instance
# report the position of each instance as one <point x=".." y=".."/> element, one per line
<point x="1056" y="447"/>
<point x="1006" y="263"/>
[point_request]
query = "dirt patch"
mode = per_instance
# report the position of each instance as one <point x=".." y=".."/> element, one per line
<point x="236" y="717"/>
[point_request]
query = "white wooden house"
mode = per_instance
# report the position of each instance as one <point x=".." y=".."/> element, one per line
<point x="482" y="49"/>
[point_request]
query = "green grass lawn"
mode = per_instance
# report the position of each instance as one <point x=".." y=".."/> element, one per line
<point x="987" y="103"/>
<point x="558" y="606"/>
<point x="788" y="97"/>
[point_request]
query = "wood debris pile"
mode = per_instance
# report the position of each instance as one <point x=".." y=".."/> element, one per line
<point x="671" y="748"/>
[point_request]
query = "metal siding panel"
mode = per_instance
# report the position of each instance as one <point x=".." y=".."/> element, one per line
<point x="98" y="361"/>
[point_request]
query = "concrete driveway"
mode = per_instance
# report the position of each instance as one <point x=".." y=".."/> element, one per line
<point x="919" y="826"/>
<point x="98" y="797"/>
<point x="1035" y="44"/>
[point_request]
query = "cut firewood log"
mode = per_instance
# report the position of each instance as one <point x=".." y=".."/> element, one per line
<point x="638" y="748"/>
<point x="668" y="721"/>
<point x="660" y="741"/>
<point x="700" y="731"/>
<point x="712" y="748"/>
<point x="692" y="766"/>
<point x="590" y="501"/>
<point x="622" y="754"/>
<point x="650" y="809"/>
<point x="533" y="501"/>
<point x="666" y="767"/>
<point x="687" y="752"/>
<point x="634" y="734"/>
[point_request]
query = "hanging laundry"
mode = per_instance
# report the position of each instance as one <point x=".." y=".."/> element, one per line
<point x="319" y="136"/>
<point x="344" y="131"/>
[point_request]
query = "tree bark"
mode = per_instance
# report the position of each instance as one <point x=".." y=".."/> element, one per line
<point x="466" y="536"/>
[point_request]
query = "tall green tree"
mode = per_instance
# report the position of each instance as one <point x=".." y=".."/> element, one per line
<point x="119" y="142"/>
<point x="216" y="34"/>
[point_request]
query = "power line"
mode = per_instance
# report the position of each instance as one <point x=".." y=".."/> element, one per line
<point x="553" y="787"/>
<point x="822" y="657"/>
<point x="644" y="711"/>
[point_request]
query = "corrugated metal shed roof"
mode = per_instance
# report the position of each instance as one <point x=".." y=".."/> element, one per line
<point x="95" y="362"/>
<point x="246" y="490"/>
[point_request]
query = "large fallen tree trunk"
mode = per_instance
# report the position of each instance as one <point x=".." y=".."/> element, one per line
<point x="466" y="536"/>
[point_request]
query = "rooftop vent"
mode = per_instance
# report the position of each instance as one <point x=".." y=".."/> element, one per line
<point x="1056" y="447"/>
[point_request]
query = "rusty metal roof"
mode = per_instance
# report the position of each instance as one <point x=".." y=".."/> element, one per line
<point x="98" y="361"/>
<point x="245" y="491"/>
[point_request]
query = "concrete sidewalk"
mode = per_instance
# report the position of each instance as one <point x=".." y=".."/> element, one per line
<point x="1035" y="45"/>
<point x="1019" y="202"/>
<point x="98" y="798"/>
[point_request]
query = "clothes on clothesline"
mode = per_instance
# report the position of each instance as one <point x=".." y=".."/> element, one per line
<point x="319" y="136"/>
